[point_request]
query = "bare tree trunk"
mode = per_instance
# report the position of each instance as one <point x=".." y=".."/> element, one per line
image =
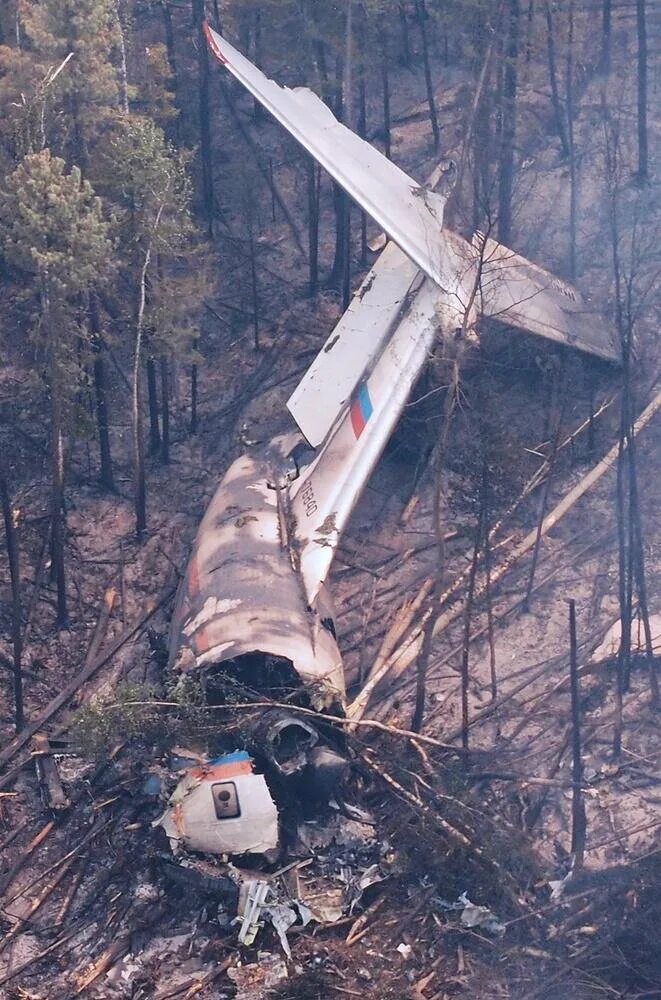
<point x="362" y="116"/>
<point x="573" y="185"/>
<point x="439" y="535"/>
<point x="405" y="51"/>
<point x="57" y="494"/>
<point x="641" y="28"/>
<point x="253" y="281"/>
<point x="123" y="76"/>
<point x="169" y="40"/>
<point x="529" y="23"/>
<point x="257" y="111"/>
<point x="553" y="80"/>
<point x="340" y="198"/>
<point x="204" y="113"/>
<point x="165" y="409"/>
<point x="13" y="557"/>
<point x="152" y="404"/>
<point x="606" y="31"/>
<point x="506" y="159"/>
<point x="421" y="11"/>
<point x="385" y="81"/>
<point x="106" y="477"/>
<point x="138" y="434"/>
<point x="193" y="391"/>
<point x="578" y="821"/>
<point x="314" y="185"/>
<point x="468" y="613"/>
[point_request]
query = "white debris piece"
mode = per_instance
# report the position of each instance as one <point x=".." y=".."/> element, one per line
<point x="222" y="807"/>
<point x="610" y="644"/>
<point x="473" y="915"/>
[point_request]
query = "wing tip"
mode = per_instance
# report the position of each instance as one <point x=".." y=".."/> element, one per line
<point x="211" y="37"/>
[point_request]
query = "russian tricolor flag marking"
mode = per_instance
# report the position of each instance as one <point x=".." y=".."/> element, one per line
<point x="361" y="410"/>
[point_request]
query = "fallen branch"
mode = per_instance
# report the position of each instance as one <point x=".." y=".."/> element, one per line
<point x="85" y="674"/>
<point x="408" y="652"/>
<point x="322" y="716"/>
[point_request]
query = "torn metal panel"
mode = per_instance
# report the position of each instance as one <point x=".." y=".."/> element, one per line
<point x="354" y="344"/>
<point x="411" y="214"/>
<point x="241" y="593"/>
<point x="222" y="808"/>
<point x="515" y="291"/>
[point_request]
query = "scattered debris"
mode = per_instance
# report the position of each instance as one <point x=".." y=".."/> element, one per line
<point x="473" y="915"/>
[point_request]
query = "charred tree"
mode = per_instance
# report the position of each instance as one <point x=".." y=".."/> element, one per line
<point x="606" y="33"/>
<point x="405" y="42"/>
<point x="361" y="124"/>
<point x="314" y="186"/>
<point x="579" y="822"/>
<point x="641" y="30"/>
<point x="204" y="113"/>
<point x="573" y="178"/>
<point x="421" y="11"/>
<point x="385" y="89"/>
<point x="165" y="408"/>
<point x="340" y="198"/>
<point x="58" y="529"/>
<point x="192" y="427"/>
<point x="13" y="558"/>
<point x="106" y="477"/>
<point x="558" y="112"/>
<point x="506" y="158"/>
<point x="152" y="406"/>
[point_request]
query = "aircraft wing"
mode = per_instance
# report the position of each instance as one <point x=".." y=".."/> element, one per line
<point x="410" y="214"/>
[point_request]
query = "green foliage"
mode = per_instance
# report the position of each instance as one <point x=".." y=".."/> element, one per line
<point x="90" y="30"/>
<point x="52" y="227"/>
<point x="116" y="718"/>
<point x="147" y="178"/>
<point x="134" y="714"/>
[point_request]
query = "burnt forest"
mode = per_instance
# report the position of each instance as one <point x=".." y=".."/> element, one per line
<point x="330" y="620"/>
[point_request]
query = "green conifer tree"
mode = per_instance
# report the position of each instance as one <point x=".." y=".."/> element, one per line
<point x="56" y="243"/>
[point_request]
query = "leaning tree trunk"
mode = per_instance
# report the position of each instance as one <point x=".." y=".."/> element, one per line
<point x="11" y="540"/>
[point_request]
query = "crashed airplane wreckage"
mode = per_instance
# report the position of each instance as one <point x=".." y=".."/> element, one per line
<point x="253" y="610"/>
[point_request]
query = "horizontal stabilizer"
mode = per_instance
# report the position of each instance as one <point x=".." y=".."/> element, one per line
<point x="517" y="292"/>
<point x="411" y="214"/>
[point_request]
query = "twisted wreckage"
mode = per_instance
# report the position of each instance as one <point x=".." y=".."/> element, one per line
<point x="253" y="610"/>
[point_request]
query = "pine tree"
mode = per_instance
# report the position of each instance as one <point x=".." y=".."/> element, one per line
<point x="148" y="179"/>
<point x="91" y="31"/>
<point x="56" y="242"/>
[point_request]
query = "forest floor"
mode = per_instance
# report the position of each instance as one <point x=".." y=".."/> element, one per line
<point x="101" y="920"/>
